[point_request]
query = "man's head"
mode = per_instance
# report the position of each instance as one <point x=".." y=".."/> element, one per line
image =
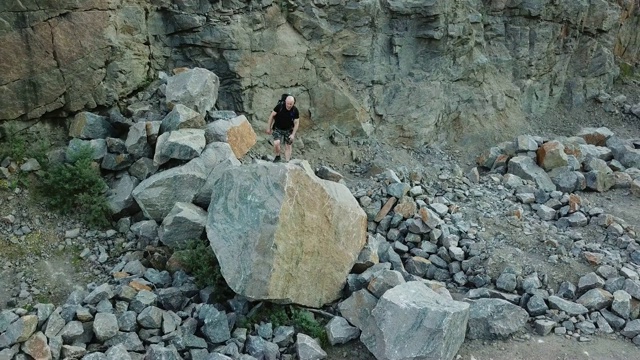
<point x="289" y="102"/>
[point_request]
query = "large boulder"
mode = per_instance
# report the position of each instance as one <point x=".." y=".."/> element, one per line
<point x="411" y="321"/>
<point x="283" y="234"/>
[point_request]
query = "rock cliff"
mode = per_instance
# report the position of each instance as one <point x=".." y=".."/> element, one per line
<point x="409" y="71"/>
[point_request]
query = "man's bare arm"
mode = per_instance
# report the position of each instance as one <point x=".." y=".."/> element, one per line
<point x="270" y="122"/>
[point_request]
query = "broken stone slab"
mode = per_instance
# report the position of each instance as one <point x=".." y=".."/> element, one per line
<point x="137" y="143"/>
<point x="596" y="299"/>
<point x="407" y="315"/>
<point x="195" y="88"/>
<point x="564" y="178"/>
<point x="143" y="168"/>
<point x="526" y="168"/>
<point x="276" y="219"/>
<point x="97" y="147"/>
<point x="595" y="136"/>
<point x="368" y="256"/>
<point x="357" y="307"/>
<point x="383" y="281"/>
<point x="221" y="162"/>
<point x="19" y="331"/>
<point x="526" y="143"/>
<point x="119" y="198"/>
<point x="339" y="331"/>
<point x="621" y="304"/>
<point x="181" y="117"/>
<point x="577" y="219"/>
<point x="567" y="306"/>
<point x="183" y="144"/>
<point x="87" y="126"/>
<point x="624" y="151"/>
<point x="36" y="347"/>
<point x="308" y="348"/>
<point x="327" y="173"/>
<point x="551" y="155"/>
<point x="185" y="222"/>
<point x="157" y="194"/>
<point x="116" y="162"/>
<point x="543" y="327"/>
<point x="494" y="319"/>
<point x="598" y="152"/>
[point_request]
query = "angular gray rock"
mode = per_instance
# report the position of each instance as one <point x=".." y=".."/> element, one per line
<point x="527" y="169"/>
<point x="357" y="308"/>
<point x="412" y="321"/>
<point x="157" y="195"/>
<point x="339" y="331"/>
<point x="119" y="197"/>
<point x="569" y="307"/>
<point x="181" y="117"/>
<point x="184" y="222"/>
<point x="195" y="88"/>
<point x="185" y="144"/>
<point x="307" y="348"/>
<point x="86" y="125"/>
<point x="494" y="319"/>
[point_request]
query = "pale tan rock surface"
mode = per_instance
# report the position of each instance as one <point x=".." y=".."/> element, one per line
<point x="241" y="136"/>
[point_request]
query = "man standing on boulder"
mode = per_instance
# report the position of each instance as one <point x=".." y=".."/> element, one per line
<point x="283" y="124"/>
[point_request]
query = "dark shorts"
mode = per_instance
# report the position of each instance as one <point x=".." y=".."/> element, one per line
<point x="282" y="135"/>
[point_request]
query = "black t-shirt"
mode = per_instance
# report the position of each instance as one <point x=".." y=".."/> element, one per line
<point x="284" y="118"/>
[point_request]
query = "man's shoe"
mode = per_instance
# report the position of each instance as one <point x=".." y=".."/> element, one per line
<point x="277" y="159"/>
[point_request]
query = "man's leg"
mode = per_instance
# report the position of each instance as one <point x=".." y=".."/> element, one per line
<point x="276" y="149"/>
<point x="287" y="151"/>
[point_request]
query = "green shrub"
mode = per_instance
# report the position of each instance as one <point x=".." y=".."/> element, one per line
<point x="20" y="144"/>
<point x="77" y="187"/>
<point x="304" y="321"/>
<point x="627" y="72"/>
<point x="14" y="143"/>
<point x="200" y="261"/>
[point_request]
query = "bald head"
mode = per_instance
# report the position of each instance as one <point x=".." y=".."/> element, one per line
<point x="289" y="101"/>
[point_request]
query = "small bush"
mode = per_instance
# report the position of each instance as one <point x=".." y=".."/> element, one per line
<point x="19" y="145"/>
<point x="77" y="187"/>
<point x="14" y="143"/>
<point x="200" y="261"/>
<point x="305" y="322"/>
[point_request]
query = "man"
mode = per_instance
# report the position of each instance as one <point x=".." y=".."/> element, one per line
<point x="283" y="124"/>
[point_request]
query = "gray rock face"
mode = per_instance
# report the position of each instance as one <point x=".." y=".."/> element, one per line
<point x="120" y="43"/>
<point x="412" y="321"/>
<point x="494" y="319"/>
